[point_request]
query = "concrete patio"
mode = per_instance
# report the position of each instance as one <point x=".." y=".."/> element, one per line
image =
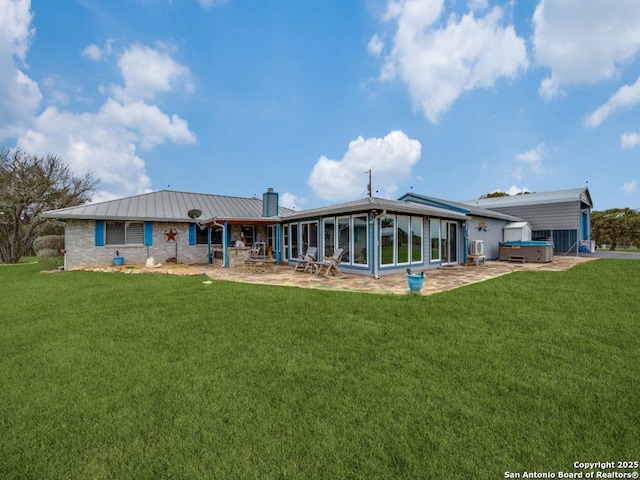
<point x="436" y="280"/>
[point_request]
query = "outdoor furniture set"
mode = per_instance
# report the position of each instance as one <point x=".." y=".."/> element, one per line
<point x="328" y="266"/>
<point x="261" y="260"/>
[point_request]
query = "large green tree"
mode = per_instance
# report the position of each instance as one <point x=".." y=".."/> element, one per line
<point x="616" y="226"/>
<point x="30" y="185"/>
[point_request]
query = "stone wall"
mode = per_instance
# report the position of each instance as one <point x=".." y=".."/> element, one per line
<point x="82" y="252"/>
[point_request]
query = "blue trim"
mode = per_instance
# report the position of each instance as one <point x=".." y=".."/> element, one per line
<point x="148" y="234"/>
<point x="192" y="234"/>
<point x="277" y="227"/>
<point x="209" y="259"/>
<point x="225" y="245"/>
<point x="99" y="235"/>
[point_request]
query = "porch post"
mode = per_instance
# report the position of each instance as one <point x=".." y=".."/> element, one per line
<point x="225" y="247"/>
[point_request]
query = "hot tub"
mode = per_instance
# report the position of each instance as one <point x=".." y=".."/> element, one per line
<point x="528" y="251"/>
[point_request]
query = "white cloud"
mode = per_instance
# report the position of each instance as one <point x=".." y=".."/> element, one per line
<point x="20" y="96"/>
<point x="477" y="5"/>
<point x="585" y="41"/>
<point x="105" y="142"/>
<point x="550" y="88"/>
<point x="289" y="200"/>
<point x="630" y="140"/>
<point x="206" y="4"/>
<point x="15" y="28"/>
<point x="513" y="190"/>
<point x="375" y="46"/>
<point x="390" y="158"/>
<point x="438" y="64"/>
<point x="147" y="72"/>
<point x="630" y="187"/>
<point x="92" y="52"/>
<point x="626" y="96"/>
<point x="533" y="159"/>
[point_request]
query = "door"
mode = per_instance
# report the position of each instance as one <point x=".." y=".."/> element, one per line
<point x="449" y="243"/>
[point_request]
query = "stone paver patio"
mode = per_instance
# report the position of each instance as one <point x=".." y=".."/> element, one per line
<point x="436" y="280"/>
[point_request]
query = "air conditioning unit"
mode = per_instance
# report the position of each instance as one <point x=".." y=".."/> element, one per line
<point x="476" y="247"/>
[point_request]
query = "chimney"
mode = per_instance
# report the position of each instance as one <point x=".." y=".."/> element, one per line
<point x="270" y="205"/>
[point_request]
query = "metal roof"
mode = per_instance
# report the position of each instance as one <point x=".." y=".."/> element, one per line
<point x="368" y="204"/>
<point x="460" y="207"/>
<point x="558" y="196"/>
<point x="168" y="206"/>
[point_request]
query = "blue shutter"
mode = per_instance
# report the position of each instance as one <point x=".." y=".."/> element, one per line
<point x="148" y="234"/>
<point x="192" y="234"/>
<point x="99" y="233"/>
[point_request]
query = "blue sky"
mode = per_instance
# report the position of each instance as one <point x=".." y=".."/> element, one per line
<point x="449" y="98"/>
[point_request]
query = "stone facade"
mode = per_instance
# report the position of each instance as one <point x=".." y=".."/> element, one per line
<point x="82" y="250"/>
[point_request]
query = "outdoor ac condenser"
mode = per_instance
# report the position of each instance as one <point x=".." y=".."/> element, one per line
<point x="476" y="247"/>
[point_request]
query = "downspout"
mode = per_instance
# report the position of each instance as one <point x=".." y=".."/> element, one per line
<point x="375" y="243"/>
<point x="215" y="223"/>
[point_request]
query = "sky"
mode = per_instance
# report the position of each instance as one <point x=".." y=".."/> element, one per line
<point x="446" y="98"/>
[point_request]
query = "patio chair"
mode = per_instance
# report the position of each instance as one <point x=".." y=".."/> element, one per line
<point x="329" y="265"/>
<point x="304" y="261"/>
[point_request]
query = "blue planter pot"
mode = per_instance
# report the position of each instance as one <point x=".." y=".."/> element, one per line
<point x="415" y="281"/>
<point x="117" y="261"/>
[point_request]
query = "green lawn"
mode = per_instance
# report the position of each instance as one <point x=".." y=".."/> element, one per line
<point x="112" y="376"/>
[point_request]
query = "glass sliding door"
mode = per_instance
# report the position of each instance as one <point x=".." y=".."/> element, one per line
<point x="344" y="240"/>
<point x="434" y="236"/>
<point x="453" y="242"/>
<point x="329" y="235"/>
<point x="309" y="236"/>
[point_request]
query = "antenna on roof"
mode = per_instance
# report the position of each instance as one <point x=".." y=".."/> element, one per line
<point x="369" y="184"/>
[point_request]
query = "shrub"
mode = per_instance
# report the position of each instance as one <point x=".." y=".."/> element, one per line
<point x="49" y="243"/>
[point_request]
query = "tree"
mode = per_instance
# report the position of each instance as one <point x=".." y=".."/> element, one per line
<point x="30" y="185"/>
<point x="616" y="226"/>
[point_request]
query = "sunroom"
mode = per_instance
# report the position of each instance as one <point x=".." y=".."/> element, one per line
<point x="378" y="236"/>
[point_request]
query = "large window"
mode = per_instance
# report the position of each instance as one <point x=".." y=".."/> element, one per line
<point x="248" y="233"/>
<point x="387" y="239"/>
<point x="360" y="240"/>
<point x="124" y="233"/>
<point x="344" y="238"/>
<point x="202" y="235"/>
<point x="404" y="247"/>
<point x="400" y="240"/>
<point x="350" y="234"/>
<point x="416" y="239"/>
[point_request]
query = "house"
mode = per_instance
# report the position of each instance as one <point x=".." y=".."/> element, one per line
<point x="482" y="225"/>
<point x="378" y="236"/>
<point x="564" y="216"/>
<point x="168" y="225"/>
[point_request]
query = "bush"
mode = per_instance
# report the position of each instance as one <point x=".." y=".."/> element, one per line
<point x="49" y="243"/>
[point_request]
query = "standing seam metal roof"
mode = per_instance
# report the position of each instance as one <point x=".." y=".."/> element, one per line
<point x="167" y="205"/>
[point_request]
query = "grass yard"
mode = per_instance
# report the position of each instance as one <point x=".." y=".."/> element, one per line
<point x="112" y="376"/>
